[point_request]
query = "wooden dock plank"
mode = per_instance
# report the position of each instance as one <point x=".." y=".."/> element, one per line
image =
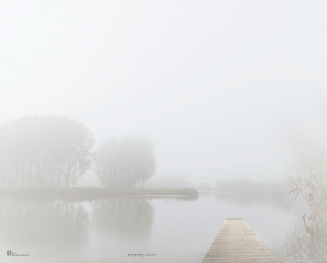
<point x="237" y="242"/>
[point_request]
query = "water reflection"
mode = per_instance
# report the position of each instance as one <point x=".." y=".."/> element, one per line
<point x="65" y="222"/>
<point x="42" y="223"/>
<point x="123" y="216"/>
<point x="285" y="204"/>
<point x="177" y="199"/>
<point x="177" y="229"/>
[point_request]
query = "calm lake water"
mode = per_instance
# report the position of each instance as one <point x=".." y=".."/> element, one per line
<point x="165" y="229"/>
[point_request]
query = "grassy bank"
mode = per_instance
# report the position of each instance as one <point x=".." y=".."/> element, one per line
<point x="89" y="191"/>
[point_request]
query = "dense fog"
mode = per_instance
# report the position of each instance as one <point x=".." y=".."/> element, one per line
<point x="121" y="118"/>
<point x="218" y="86"/>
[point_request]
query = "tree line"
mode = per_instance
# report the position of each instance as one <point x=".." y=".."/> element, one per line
<point x="57" y="151"/>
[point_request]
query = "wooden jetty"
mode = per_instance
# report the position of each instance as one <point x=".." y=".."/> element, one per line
<point x="236" y="242"/>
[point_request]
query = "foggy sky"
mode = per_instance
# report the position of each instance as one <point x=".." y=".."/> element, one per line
<point x="217" y="85"/>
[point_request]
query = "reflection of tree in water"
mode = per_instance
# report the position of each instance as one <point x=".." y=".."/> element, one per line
<point x="185" y="198"/>
<point x="128" y="215"/>
<point x="58" y="222"/>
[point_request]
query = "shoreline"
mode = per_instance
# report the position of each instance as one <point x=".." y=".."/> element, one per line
<point x="96" y="192"/>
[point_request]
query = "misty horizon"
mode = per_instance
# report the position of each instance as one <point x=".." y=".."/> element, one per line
<point x="163" y="131"/>
<point x="218" y="93"/>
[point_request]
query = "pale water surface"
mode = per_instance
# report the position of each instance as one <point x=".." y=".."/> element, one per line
<point x="164" y="229"/>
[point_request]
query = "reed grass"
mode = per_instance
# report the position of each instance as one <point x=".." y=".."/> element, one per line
<point x="307" y="242"/>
